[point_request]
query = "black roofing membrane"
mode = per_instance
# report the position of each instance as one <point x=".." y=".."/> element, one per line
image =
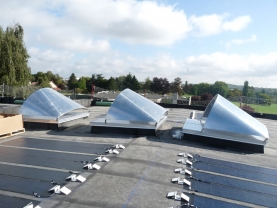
<point x="46" y="154"/>
<point x="236" y="183"/>
<point x="41" y="161"/>
<point x="33" y="173"/>
<point x="68" y="146"/>
<point x="15" y="202"/>
<point x="235" y="172"/>
<point x="204" y="202"/>
<point x="233" y="193"/>
<point x="229" y="164"/>
<point x="24" y="186"/>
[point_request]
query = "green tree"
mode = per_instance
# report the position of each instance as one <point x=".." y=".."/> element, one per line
<point x="112" y="85"/>
<point x="194" y="89"/>
<point x="267" y="100"/>
<point x="147" y="83"/>
<point x="203" y="88"/>
<point x="176" y="86"/>
<point x="81" y="83"/>
<point x="135" y="85"/>
<point x="43" y="81"/>
<point x="127" y="82"/>
<point x="160" y="85"/>
<point x="245" y="89"/>
<point x="50" y="75"/>
<point x="72" y="82"/>
<point x="251" y="91"/>
<point x="234" y="92"/>
<point x="186" y="87"/>
<point x="220" y="88"/>
<point x="120" y="82"/>
<point x="57" y="79"/>
<point x="14" y="68"/>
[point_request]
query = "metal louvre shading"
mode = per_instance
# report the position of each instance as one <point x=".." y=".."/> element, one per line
<point x="225" y="121"/>
<point x="49" y="106"/>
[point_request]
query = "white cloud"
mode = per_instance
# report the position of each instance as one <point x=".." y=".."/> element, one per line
<point x="136" y="22"/>
<point x="207" y="25"/>
<point x="253" y="38"/>
<point x="237" y="24"/>
<point x="259" y="70"/>
<point x="77" y="36"/>
<point x="69" y="22"/>
<point x="50" y="60"/>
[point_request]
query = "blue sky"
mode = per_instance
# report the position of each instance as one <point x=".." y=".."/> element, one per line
<point x="197" y="40"/>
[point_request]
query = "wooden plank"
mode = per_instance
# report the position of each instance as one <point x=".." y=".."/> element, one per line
<point x="2" y="136"/>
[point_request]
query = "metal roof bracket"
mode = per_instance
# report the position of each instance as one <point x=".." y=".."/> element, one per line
<point x="112" y="151"/>
<point x="177" y="196"/>
<point x="74" y="178"/>
<point x="186" y="155"/>
<point x="181" y="181"/>
<point x="182" y="171"/>
<point x="102" y="159"/>
<point x="58" y="190"/>
<point x="90" y="166"/>
<point x="118" y="146"/>
<point x="188" y="162"/>
<point x="30" y="205"/>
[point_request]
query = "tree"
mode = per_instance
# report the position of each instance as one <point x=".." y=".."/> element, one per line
<point x="203" y="88"/>
<point x="50" y="75"/>
<point x="72" y="82"/>
<point x="245" y="89"/>
<point x="57" y="79"/>
<point x="234" y="93"/>
<point x="176" y="86"/>
<point x="135" y="84"/>
<point x="186" y="87"/>
<point x="160" y="85"/>
<point x="43" y="81"/>
<point x="120" y="82"/>
<point x="206" y="96"/>
<point x="101" y="81"/>
<point x="61" y="86"/>
<point x="194" y="90"/>
<point x="219" y="88"/>
<point x="14" y="68"/>
<point x="146" y="85"/>
<point x="81" y="83"/>
<point x="112" y="85"/>
<point x="251" y="91"/>
<point x="127" y="82"/>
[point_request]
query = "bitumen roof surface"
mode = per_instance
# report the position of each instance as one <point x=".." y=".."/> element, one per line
<point x="140" y="175"/>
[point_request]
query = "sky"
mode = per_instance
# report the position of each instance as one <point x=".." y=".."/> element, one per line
<point x="197" y="40"/>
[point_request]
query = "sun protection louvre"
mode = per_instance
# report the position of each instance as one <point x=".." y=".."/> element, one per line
<point x="130" y="107"/>
<point x="226" y="122"/>
<point x="49" y="106"/>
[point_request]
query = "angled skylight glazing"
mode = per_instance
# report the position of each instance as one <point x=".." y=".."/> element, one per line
<point x="49" y="104"/>
<point x="222" y="115"/>
<point x="224" y="120"/>
<point x="130" y="107"/>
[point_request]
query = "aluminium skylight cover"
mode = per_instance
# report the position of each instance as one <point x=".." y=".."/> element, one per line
<point x="130" y="107"/>
<point x="223" y="116"/>
<point x="47" y="103"/>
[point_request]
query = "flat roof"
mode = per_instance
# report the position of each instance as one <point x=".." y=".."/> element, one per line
<point x="140" y="176"/>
